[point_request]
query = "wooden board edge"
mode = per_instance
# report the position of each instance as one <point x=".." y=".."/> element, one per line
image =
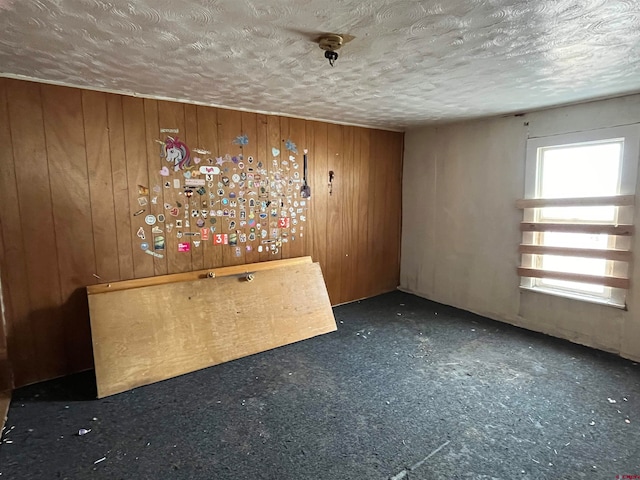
<point x="5" y="401"/>
<point x="614" y="200"/>
<point x="607" y="281"/>
<point x="195" y="275"/>
<point x="608" y="254"/>
<point x="592" y="228"/>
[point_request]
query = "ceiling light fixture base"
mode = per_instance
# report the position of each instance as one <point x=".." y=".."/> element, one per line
<point x="330" y="43"/>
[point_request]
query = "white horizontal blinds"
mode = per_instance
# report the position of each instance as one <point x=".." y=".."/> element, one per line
<point x="578" y="214"/>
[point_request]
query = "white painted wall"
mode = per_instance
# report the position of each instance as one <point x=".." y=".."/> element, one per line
<point x="461" y="227"/>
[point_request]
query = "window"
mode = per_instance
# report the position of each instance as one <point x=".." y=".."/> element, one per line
<point x="578" y="214"/>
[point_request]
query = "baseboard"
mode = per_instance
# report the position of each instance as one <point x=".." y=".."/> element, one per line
<point x="561" y="334"/>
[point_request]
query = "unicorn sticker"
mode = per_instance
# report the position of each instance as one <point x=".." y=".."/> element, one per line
<point x="176" y="151"/>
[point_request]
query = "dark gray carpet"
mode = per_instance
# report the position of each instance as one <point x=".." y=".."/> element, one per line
<point x="406" y="388"/>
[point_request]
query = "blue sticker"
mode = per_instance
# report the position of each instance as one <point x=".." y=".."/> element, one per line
<point x="144" y="246"/>
<point x="241" y="140"/>
<point x="225" y="201"/>
<point x="289" y="145"/>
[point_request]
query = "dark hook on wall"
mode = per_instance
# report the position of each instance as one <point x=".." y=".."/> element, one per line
<point x="331" y="176"/>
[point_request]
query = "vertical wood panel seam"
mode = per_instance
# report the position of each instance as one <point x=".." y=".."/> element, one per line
<point x="146" y="170"/>
<point x="373" y="172"/>
<point x="188" y="205"/>
<point x="386" y="202"/>
<point x="24" y="256"/>
<point x="187" y="201"/>
<point x="162" y="189"/>
<point x="399" y="223"/>
<point x="86" y="163"/>
<point x="67" y="357"/>
<point x="113" y="191"/>
<point x="53" y="217"/>
<point x="126" y="168"/>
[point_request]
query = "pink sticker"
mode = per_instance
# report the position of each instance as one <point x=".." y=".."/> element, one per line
<point x="184" y="247"/>
<point x="210" y="170"/>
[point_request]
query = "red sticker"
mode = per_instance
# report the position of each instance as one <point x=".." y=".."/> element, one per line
<point x="220" y="239"/>
<point x="174" y="212"/>
<point x="184" y="247"/>
<point x="283" y="222"/>
<point x="204" y="233"/>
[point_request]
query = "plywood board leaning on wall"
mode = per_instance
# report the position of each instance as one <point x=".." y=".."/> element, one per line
<point x="145" y="334"/>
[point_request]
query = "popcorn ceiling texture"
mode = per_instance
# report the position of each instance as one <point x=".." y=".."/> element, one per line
<point x="411" y="62"/>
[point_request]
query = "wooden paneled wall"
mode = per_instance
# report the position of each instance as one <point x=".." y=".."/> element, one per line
<point x="70" y="164"/>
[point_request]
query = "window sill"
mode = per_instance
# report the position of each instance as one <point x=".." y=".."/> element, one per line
<point x="576" y="296"/>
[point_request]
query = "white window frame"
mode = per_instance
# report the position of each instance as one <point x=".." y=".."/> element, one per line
<point x="630" y="134"/>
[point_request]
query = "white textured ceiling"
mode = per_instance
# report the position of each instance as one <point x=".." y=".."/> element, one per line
<point x="411" y="62"/>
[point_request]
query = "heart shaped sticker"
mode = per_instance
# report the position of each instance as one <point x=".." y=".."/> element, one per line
<point x="196" y="160"/>
<point x="275" y="152"/>
<point x="164" y="172"/>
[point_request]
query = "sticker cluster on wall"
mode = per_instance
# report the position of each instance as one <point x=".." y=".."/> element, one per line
<point x="228" y="201"/>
